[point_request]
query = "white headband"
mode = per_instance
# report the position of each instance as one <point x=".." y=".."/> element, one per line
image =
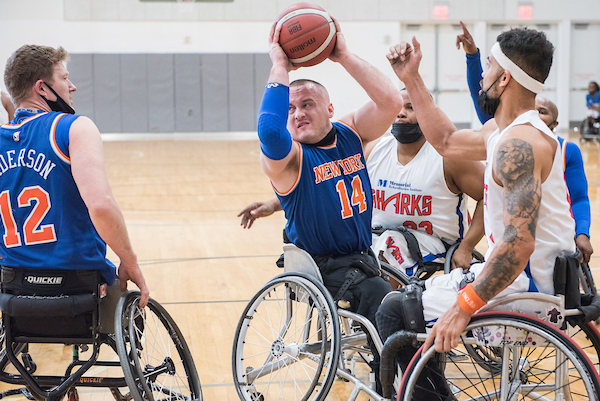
<point x="515" y="71"/>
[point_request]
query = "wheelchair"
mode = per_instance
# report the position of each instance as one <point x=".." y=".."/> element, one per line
<point x="76" y="308"/>
<point x="292" y="341"/>
<point x="525" y="345"/>
<point x="589" y="130"/>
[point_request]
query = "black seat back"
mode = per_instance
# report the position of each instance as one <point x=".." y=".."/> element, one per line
<point x="566" y="279"/>
<point x="50" y="303"/>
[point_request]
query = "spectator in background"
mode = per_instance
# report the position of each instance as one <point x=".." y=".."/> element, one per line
<point x="592" y="101"/>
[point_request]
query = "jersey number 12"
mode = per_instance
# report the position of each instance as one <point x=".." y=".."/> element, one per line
<point x="34" y="233"/>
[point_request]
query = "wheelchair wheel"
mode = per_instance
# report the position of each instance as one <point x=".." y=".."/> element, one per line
<point x="285" y="346"/>
<point x="156" y="361"/>
<point x="586" y="335"/>
<point x="583" y="334"/>
<point x="538" y="361"/>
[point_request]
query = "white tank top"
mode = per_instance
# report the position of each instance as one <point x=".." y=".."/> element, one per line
<point x="416" y="194"/>
<point x="555" y="230"/>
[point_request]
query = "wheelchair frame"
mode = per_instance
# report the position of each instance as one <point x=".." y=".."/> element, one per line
<point x="135" y="337"/>
<point x="277" y="367"/>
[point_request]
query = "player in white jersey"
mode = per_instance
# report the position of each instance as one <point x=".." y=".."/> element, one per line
<point x="414" y="187"/>
<point x="528" y="223"/>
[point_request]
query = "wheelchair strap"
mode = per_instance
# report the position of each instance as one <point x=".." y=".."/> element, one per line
<point x="351" y="276"/>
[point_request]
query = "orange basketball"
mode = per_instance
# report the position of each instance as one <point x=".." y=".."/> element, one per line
<point x="307" y="34"/>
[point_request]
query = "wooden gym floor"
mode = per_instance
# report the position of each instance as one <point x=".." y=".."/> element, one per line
<point x="180" y="199"/>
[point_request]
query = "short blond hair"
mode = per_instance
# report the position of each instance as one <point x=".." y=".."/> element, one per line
<point x="29" y="64"/>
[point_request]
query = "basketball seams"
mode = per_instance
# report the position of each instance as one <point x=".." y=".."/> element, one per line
<point x="303" y="11"/>
<point x="318" y="51"/>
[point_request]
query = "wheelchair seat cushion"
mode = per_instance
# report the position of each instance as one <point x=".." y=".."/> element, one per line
<point x="47" y="306"/>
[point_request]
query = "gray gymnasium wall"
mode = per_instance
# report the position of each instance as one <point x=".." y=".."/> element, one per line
<point x="169" y="92"/>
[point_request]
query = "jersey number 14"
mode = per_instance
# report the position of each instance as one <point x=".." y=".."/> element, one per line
<point x="357" y="199"/>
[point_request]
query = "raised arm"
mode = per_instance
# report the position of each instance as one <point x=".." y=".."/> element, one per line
<point x="436" y="126"/>
<point x="87" y="166"/>
<point x="474" y="69"/>
<point x="374" y="118"/>
<point x="279" y="153"/>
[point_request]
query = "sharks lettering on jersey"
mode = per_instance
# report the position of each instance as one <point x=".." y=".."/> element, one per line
<point x="404" y="203"/>
<point x="28" y="158"/>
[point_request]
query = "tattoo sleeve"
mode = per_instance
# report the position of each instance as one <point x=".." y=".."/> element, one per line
<point x="522" y="197"/>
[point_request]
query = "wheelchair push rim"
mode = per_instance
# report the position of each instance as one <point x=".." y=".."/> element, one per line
<point x="156" y="360"/>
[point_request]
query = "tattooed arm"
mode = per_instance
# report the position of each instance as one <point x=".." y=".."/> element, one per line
<point x="515" y="169"/>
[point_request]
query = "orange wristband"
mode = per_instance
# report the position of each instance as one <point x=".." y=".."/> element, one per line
<point x="469" y="301"/>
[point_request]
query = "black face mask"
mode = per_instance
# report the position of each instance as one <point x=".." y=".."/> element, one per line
<point x="59" y="105"/>
<point x="487" y="104"/>
<point x="406" y="133"/>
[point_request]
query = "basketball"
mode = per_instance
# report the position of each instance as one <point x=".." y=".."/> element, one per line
<point x="307" y="34"/>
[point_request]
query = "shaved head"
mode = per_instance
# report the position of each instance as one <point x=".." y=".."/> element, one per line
<point x="313" y="85"/>
<point x="547" y="110"/>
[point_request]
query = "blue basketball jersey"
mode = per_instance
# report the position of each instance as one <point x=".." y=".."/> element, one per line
<point x="45" y="222"/>
<point x="328" y="210"/>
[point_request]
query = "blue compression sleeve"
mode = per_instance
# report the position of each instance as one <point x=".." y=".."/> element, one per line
<point x="578" y="188"/>
<point x="275" y="139"/>
<point x="474" y="71"/>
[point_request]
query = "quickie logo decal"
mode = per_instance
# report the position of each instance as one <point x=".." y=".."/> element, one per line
<point x="43" y="280"/>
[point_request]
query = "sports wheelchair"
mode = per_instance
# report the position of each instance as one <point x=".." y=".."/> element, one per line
<point x="526" y="345"/>
<point x="292" y="341"/>
<point x="286" y="345"/>
<point x="77" y="308"/>
<point x="589" y="130"/>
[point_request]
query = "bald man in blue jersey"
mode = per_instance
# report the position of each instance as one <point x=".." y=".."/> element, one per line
<point x="57" y="208"/>
<point x="317" y="169"/>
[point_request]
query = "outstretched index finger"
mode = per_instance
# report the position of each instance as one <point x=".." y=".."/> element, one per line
<point x="465" y="30"/>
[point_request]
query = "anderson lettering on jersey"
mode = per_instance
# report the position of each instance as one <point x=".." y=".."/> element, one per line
<point x="28" y="158"/>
